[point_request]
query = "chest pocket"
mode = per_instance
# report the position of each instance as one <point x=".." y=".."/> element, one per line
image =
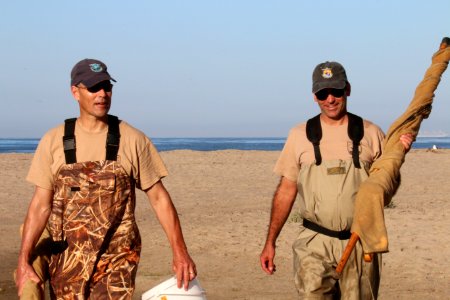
<point x="91" y="195"/>
<point x="102" y="197"/>
<point x="104" y="182"/>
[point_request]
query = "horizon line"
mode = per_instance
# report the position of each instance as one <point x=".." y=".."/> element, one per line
<point x="443" y="135"/>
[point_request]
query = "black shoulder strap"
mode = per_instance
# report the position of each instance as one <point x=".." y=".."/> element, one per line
<point x="355" y="133"/>
<point x="314" y="135"/>
<point x="69" y="141"/>
<point x="113" y="138"/>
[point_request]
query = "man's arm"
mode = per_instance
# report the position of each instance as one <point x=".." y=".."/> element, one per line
<point x="35" y="221"/>
<point x="183" y="265"/>
<point x="283" y="200"/>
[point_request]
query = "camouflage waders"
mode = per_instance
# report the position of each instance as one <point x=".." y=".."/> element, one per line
<point x="93" y="221"/>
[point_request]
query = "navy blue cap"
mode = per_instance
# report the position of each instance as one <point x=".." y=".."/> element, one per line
<point x="89" y="72"/>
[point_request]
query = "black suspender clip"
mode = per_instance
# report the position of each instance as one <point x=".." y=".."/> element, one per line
<point x="69" y="143"/>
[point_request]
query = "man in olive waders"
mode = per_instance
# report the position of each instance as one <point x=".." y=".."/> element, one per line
<point x="325" y="160"/>
<point x="85" y="172"/>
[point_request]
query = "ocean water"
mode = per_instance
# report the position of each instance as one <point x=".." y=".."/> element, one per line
<point x="211" y="144"/>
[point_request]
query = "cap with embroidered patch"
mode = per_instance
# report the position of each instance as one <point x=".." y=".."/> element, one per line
<point x="329" y="74"/>
<point x="89" y="72"/>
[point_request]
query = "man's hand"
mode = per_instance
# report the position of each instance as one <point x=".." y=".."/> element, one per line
<point x="266" y="259"/>
<point x="184" y="268"/>
<point x="23" y="273"/>
<point x="407" y="139"/>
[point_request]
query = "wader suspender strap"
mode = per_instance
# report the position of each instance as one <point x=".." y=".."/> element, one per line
<point x="314" y="135"/>
<point x="355" y="133"/>
<point x="112" y="140"/>
<point x="69" y="141"/>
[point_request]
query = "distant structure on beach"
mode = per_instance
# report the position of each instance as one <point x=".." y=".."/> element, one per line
<point x="434" y="148"/>
<point x="431" y="134"/>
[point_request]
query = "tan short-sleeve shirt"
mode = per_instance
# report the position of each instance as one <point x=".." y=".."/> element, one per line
<point x="335" y="144"/>
<point x="137" y="155"/>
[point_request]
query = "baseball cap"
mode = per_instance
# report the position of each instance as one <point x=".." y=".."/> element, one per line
<point x="89" y="72"/>
<point x="329" y="74"/>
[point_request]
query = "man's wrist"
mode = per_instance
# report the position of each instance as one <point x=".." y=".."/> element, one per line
<point x="271" y="243"/>
<point x="24" y="258"/>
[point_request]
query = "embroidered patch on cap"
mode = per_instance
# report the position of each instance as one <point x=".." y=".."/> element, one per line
<point x="327" y="73"/>
<point x="96" y="68"/>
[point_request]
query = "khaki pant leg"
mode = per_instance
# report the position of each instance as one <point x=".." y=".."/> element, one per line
<point x="39" y="262"/>
<point x="315" y="259"/>
<point x="313" y="269"/>
<point x="360" y="279"/>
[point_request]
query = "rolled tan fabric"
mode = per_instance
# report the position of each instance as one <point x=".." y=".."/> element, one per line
<point x="39" y="261"/>
<point x="378" y="189"/>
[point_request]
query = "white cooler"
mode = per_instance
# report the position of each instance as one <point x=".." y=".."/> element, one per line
<point x="168" y="290"/>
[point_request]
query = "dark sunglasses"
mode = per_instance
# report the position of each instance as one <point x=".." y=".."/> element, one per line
<point x="323" y="94"/>
<point x="105" y="85"/>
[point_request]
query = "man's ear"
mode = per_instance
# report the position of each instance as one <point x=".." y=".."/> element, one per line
<point x="348" y="89"/>
<point x="75" y="92"/>
<point x="315" y="98"/>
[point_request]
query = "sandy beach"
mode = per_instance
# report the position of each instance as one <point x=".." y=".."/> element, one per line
<point x="223" y="200"/>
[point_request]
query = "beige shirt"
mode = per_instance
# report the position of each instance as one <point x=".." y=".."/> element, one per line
<point x="137" y="155"/>
<point x="335" y="144"/>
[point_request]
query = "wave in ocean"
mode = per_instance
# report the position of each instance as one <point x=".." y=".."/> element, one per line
<point x="211" y="144"/>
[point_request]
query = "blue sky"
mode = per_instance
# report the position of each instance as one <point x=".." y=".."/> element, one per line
<point x="217" y="68"/>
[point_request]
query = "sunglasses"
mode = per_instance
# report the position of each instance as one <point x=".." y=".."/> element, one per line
<point x="105" y="85"/>
<point x="323" y="94"/>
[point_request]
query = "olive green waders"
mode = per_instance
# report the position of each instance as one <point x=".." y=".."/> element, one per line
<point x="326" y="195"/>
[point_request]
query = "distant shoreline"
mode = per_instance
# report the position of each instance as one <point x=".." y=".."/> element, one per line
<point x="28" y="145"/>
<point x="225" y="151"/>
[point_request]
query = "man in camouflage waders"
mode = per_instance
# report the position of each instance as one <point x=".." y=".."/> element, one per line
<point x="85" y="172"/>
<point x="325" y="160"/>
